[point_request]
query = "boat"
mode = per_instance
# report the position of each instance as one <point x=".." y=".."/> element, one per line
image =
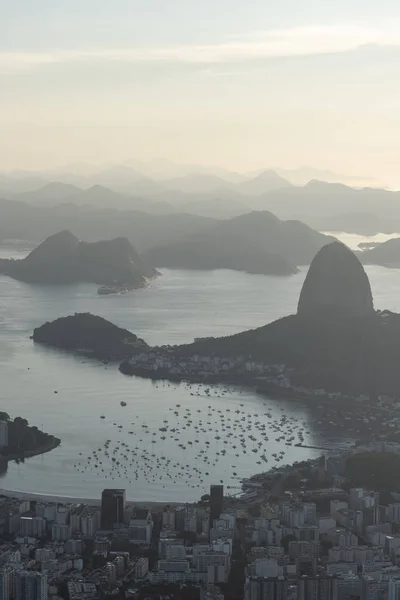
<point x="106" y="290"/>
<point x="123" y="403"/>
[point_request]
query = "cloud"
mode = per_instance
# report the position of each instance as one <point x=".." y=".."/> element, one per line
<point x="301" y="41"/>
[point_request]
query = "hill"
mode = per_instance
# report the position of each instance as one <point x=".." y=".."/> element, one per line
<point x="336" y="284"/>
<point x="51" y="193"/>
<point x="63" y="258"/>
<point x="340" y="346"/>
<point x="256" y="242"/>
<point x="90" y="335"/>
<point x="263" y="183"/>
<point x="318" y="202"/>
<point x="386" y="254"/>
<point x="96" y="196"/>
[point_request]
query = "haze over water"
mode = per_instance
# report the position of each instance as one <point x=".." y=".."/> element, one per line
<point x="176" y="308"/>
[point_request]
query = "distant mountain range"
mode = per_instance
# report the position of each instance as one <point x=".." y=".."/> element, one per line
<point x="165" y="188"/>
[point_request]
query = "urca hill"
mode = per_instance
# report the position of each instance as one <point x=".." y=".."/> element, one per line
<point x="62" y="259"/>
<point x="336" y="341"/>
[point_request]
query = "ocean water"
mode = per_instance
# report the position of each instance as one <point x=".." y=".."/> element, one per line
<point x="169" y="442"/>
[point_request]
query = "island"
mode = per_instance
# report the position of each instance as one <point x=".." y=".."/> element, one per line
<point x="336" y="343"/>
<point x="19" y="440"/>
<point x="64" y="259"/>
<point x="89" y="335"/>
<point x="257" y="243"/>
<point x="385" y="254"/>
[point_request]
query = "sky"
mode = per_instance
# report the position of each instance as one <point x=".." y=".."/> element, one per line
<point x="244" y="85"/>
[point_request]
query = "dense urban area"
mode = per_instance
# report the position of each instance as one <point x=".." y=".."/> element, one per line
<point x="300" y="532"/>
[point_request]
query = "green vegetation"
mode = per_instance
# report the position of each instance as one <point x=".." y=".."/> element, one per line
<point x="24" y="439"/>
<point x="84" y="331"/>
<point x="374" y="470"/>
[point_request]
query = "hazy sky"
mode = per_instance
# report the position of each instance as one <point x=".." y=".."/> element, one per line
<point x="242" y="84"/>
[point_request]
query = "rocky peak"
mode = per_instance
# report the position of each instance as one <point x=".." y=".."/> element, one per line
<point x="336" y="283"/>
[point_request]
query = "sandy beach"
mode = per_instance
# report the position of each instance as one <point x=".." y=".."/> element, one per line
<point x="91" y="501"/>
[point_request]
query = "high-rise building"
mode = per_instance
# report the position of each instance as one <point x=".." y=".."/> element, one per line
<point x="30" y="585"/>
<point x="3" y="434"/>
<point x="356" y="496"/>
<point x="88" y="525"/>
<point x="6" y="578"/>
<point x="112" y="508"/>
<point x="60" y="533"/>
<point x="394" y="589"/>
<point x="317" y="588"/>
<point x="370" y="589"/>
<point x="216" y="501"/>
<point x="266" y="588"/>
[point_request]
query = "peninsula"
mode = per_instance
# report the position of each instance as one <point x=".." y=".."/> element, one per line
<point x="20" y="440"/>
<point x="63" y="259"/>
<point x="89" y="335"/>
<point x="336" y="343"/>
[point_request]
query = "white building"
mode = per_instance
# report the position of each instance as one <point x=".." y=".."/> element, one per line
<point x="168" y="519"/>
<point x="141" y="527"/>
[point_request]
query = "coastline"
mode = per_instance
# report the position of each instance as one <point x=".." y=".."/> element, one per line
<point x="52" y="444"/>
<point x="21" y="495"/>
<point x="258" y="385"/>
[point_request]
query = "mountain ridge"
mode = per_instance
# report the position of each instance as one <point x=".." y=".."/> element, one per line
<point x="63" y="259"/>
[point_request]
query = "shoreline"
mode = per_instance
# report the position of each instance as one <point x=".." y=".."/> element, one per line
<point x="257" y="385"/>
<point x="52" y="445"/>
<point x="20" y="495"/>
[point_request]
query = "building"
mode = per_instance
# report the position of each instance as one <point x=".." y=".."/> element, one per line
<point x="348" y="586"/>
<point x="141" y="527"/>
<point x="30" y="585"/>
<point x="217" y="574"/>
<point x="75" y="517"/>
<point x="77" y="590"/>
<point x="112" y="508"/>
<point x="74" y="547"/>
<point x="3" y="434"/>
<point x="90" y="521"/>
<point x="32" y="526"/>
<point x="317" y="588"/>
<point x="216" y="501"/>
<point x="141" y="568"/>
<point x="202" y="560"/>
<point x="356" y="496"/>
<point x="6" y="581"/>
<point x="60" y="533"/>
<point x="369" y="588"/>
<point x="168" y="519"/>
<point x="394" y="589"/>
<point x="266" y="588"/>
